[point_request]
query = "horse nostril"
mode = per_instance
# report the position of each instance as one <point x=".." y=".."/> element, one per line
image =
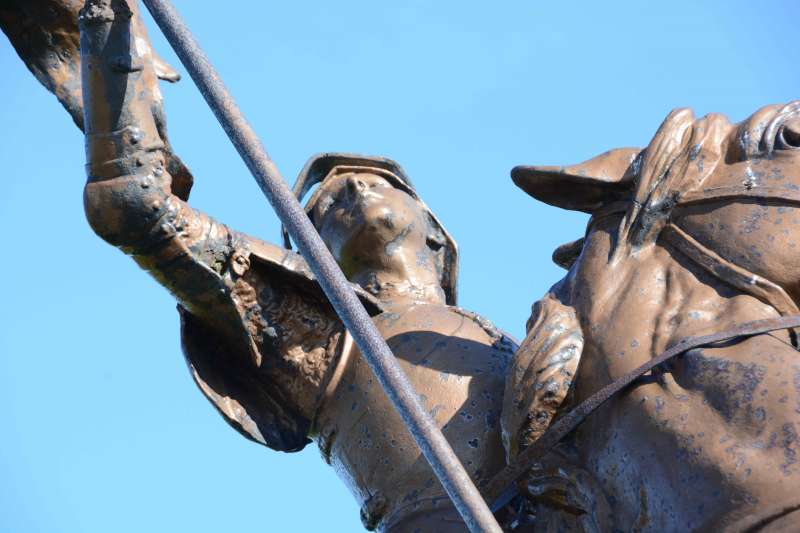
<point x="791" y="133"/>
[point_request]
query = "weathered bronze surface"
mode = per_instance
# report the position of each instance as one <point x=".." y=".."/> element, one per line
<point x="262" y="342"/>
<point x="692" y="235"/>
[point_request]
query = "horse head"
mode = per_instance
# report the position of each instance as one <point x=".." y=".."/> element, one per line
<point x="715" y="179"/>
<point x="723" y="194"/>
<point x="692" y="234"/>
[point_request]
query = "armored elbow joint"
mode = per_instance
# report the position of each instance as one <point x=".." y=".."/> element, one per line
<point x="123" y="209"/>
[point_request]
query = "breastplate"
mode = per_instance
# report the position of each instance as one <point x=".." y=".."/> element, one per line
<point x="456" y="362"/>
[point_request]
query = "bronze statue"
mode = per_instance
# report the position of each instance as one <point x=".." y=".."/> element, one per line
<point x="691" y="235"/>
<point x="262" y="342"/>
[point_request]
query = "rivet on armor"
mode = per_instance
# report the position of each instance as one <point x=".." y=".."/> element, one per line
<point x="240" y="263"/>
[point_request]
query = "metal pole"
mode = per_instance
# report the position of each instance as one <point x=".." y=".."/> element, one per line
<point x="434" y="446"/>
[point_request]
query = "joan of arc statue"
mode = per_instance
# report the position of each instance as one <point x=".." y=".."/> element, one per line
<point x="262" y="342"/>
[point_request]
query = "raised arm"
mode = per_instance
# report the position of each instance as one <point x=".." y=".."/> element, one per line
<point x="129" y="197"/>
<point x="258" y="334"/>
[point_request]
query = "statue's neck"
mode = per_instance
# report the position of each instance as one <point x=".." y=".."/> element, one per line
<point x="395" y="290"/>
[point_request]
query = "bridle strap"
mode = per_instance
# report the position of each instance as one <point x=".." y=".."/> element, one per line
<point x="503" y="486"/>
<point x="740" y="192"/>
<point x="731" y="193"/>
<point x="731" y="273"/>
<point x="726" y="271"/>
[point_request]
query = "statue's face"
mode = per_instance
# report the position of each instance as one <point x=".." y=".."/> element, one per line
<point x="363" y="220"/>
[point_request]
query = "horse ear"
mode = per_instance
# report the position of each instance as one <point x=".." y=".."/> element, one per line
<point x="582" y="187"/>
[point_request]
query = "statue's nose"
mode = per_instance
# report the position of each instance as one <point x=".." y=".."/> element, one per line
<point x="355" y="186"/>
<point x="791" y="132"/>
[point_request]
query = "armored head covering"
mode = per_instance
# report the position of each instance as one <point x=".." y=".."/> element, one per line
<point x="322" y="167"/>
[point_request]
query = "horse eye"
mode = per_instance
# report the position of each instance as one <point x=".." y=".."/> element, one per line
<point x="791" y="137"/>
<point x="790" y="134"/>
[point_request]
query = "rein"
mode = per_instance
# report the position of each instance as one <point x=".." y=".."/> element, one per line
<point x="503" y="486"/>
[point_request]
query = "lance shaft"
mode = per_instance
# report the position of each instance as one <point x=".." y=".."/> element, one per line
<point x="429" y="438"/>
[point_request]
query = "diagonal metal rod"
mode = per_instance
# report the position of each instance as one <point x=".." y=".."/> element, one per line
<point x="429" y="438"/>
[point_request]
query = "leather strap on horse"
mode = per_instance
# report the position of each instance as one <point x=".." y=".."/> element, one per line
<point x="781" y="195"/>
<point x="503" y="486"/>
<point x="749" y="283"/>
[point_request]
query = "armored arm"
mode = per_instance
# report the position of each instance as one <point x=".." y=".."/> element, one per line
<point x="258" y="334"/>
<point x="129" y="197"/>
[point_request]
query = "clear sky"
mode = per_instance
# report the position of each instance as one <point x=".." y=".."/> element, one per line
<point x="101" y="427"/>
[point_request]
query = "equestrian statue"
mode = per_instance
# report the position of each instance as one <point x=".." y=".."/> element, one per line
<point x="690" y="248"/>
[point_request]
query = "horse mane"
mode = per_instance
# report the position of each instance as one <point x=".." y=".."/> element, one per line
<point x="682" y="154"/>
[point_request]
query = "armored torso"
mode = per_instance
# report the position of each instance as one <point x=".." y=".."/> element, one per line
<point x="457" y="363"/>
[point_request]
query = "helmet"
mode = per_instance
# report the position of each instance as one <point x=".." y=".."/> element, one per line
<point x="326" y="165"/>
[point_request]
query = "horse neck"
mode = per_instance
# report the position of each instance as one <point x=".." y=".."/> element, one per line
<point x="653" y="299"/>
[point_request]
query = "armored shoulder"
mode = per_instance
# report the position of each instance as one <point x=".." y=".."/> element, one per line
<point x="266" y="378"/>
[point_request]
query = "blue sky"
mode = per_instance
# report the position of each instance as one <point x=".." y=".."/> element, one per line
<point x="101" y="428"/>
